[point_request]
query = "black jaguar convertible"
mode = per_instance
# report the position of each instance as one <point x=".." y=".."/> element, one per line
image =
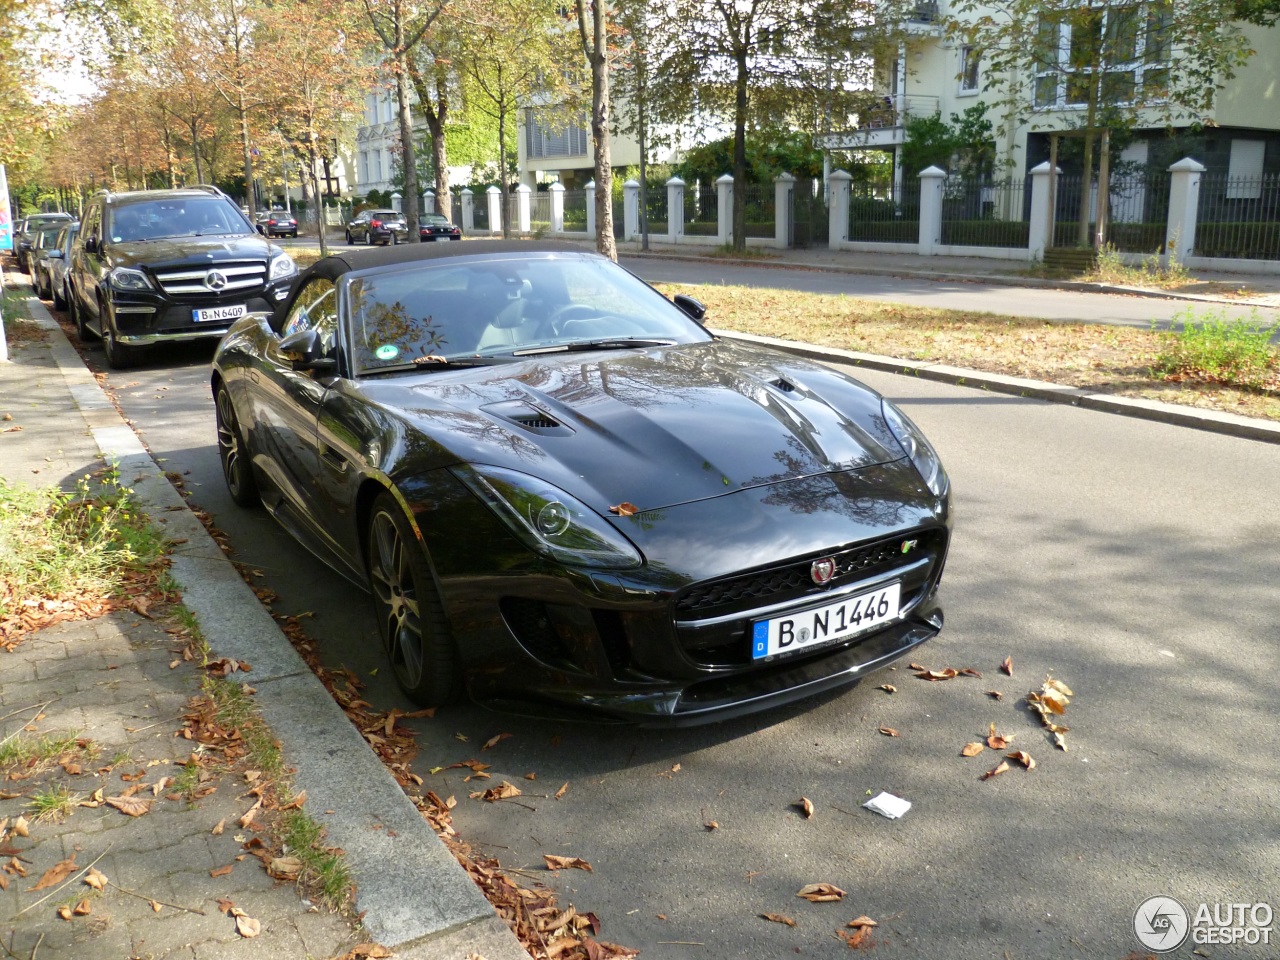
<point x="565" y="494"/>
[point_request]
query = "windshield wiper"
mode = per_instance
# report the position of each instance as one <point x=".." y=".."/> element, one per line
<point x="422" y="365"/>
<point x="605" y="343"/>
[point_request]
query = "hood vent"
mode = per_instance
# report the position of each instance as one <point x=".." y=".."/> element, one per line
<point x="527" y="416"/>
<point x="786" y="386"/>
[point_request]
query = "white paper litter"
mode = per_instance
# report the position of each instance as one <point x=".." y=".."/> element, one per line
<point x="887" y="805"/>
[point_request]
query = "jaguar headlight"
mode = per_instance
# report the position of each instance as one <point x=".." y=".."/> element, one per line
<point x="128" y="279"/>
<point x="548" y="520"/>
<point x="917" y="448"/>
<point x="281" y="267"/>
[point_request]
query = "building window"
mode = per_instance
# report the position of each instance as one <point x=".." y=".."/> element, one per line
<point x="1244" y="169"/>
<point x="1122" y="51"/>
<point x="970" y="72"/>
<point x="364" y="166"/>
<point x="554" y="141"/>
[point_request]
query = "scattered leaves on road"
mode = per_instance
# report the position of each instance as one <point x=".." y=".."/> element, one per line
<point x="888" y="688"/>
<point x="1006" y="666"/>
<point x="55" y="874"/>
<point x="1022" y="757"/>
<point x="778" y="918"/>
<point x="495" y="740"/>
<point x="997" y="741"/>
<point x="889" y="731"/>
<point x="996" y="771"/>
<point x="806" y="805"/>
<point x="565" y="863"/>
<point x="972" y="749"/>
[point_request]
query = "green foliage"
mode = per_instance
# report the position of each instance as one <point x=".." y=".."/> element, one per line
<point x="791" y="152"/>
<point x="1209" y="347"/>
<point x="964" y="144"/>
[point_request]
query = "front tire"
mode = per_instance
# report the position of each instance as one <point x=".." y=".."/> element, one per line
<point x="118" y="355"/>
<point x="237" y="463"/>
<point x="411" y="620"/>
<point x="59" y="298"/>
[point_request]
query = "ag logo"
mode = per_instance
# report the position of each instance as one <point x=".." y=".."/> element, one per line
<point x="1161" y="924"/>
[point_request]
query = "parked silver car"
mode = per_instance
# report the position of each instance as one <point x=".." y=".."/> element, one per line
<point x="51" y="282"/>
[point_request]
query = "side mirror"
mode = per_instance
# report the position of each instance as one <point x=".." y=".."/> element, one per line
<point x="91" y="245"/>
<point x="54" y="254"/>
<point x="305" y="351"/>
<point x="694" y="308"/>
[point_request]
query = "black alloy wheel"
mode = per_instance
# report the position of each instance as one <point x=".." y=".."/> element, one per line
<point x="237" y="463"/>
<point x="77" y="315"/>
<point x="119" y="356"/>
<point x="411" y="620"/>
<point x="60" y="297"/>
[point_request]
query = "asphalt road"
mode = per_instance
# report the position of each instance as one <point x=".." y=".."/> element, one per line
<point x="1042" y="302"/>
<point x="1132" y="560"/>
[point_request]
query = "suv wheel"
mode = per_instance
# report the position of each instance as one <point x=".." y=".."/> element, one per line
<point x="59" y="297"/>
<point x="119" y="356"/>
<point x="77" y="315"/>
<point x="368" y="237"/>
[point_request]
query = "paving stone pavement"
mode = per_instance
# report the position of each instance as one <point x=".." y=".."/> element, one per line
<point x="109" y="682"/>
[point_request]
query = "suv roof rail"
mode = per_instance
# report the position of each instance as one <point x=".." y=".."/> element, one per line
<point x="209" y="188"/>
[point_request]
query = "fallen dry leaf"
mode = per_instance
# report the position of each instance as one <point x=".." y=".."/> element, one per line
<point x="778" y="918"/>
<point x="806" y="805"/>
<point x="970" y="672"/>
<point x="1006" y="666"/>
<point x="995" y="694"/>
<point x="863" y="921"/>
<point x="565" y="863"/>
<point x="373" y="951"/>
<point x="1023" y="758"/>
<point x="946" y="674"/>
<point x="250" y="814"/>
<point x="503" y="791"/>
<point x="82" y="909"/>
<point x="64" y="912"/>
<point x="711" y="824"/>
<point x="888" y="688"/>
<point x="995" y="772"/>
<point x="625" y="509"/>
<point x="55" y="874"/>
<point x="222" y="871"/>
<point x="889" y="731"/>
<point x="495" y="740"/>
<point x="563" y="790"/>
<point x="21" y="827"/>
<point x="219" y="827"/>
<point x="284" y="868"/>
<point x="133" y="806"/>
<point x="854" y="940"/>
<point x="1060" y="742"/>
<point x="156" y="906"/>
<point x="248" y="927"/>
<point x="821" y="893"/>
<point x="95" y="879"/>
<point x="997" y="741"/>
<point x="972" y="749"/>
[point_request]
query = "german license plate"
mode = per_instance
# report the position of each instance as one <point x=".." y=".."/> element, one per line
<point x="830" y="624"/>
<point x="218" y="314"/>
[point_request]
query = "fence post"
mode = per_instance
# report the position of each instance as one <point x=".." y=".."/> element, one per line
<point x="630" y="209"/>
<point x="429" y="202"/>
<point x="784" y="186"/>
<point x="1184" y="204"/>
<point x="468" y="210"/>
<point x="494" y="197"/>
<point x="838" y="225"/>
<point x="556" y="190"/>
<point x="675" y="210"/>
<point x="589" y="194"/>
<point x="1041" y="216"/>
<point x="724" y="209"/>
<point x="395" y="202"/>
<point x="931" y="181"/>
<point x="523" y="205"/>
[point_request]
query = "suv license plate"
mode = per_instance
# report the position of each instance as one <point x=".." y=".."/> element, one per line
<point x="214" y="314"/>
<point x="829" y="624"/>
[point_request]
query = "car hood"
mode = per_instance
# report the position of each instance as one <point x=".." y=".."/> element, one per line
<point x="654" y="427"/>
<point x="174" y="251"/>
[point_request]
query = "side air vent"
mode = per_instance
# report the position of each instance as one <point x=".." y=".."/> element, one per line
<point x="536" y="421"/>
<point x="786" y="386"/>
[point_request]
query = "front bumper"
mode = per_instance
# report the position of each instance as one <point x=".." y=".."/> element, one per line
<point x="142" y="319"/>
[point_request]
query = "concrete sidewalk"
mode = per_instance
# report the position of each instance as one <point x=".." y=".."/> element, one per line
<point x="112" y="683"/>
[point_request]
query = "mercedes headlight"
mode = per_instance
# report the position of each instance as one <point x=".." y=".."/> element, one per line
<point x="917" y="448"/>
<point x="548" y="520"/>
<point x="281" y="267"/>
<point x="128" y="279"/>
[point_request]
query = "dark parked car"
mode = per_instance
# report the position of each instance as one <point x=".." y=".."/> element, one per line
<point x="432" y="226"/>
<point x="42" y="238"/>
<point x="56" y="262"/>
<point x="157" y="266"/>
<point x="277" y="223"/>
<point x="564" y="493"/>
<point x="377" y="226"/>
<point x="24" y="235"/>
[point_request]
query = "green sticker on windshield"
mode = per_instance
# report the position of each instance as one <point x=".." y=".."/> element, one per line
<point x="387" y="352"/>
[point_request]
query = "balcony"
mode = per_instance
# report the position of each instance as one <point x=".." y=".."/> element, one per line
<point x="882" y="127"/>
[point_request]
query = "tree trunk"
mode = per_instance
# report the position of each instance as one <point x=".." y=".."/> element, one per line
<point x="740" y="157"/>
<point x="1086" y="182"/>
<point x="597" y="51"/>
<point x="502" y="169"/>
<point x="406" y="141"/>
<point x="313" y="157"/>
<point x="245" y="148"/>
<point x="436" y="111"/>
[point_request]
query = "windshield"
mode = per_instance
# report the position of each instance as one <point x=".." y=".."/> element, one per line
<point x="454" y="310"/>
<point x="175" y="217"/>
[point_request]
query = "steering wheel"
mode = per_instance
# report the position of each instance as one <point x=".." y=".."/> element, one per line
<point x="570" y="311"/>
